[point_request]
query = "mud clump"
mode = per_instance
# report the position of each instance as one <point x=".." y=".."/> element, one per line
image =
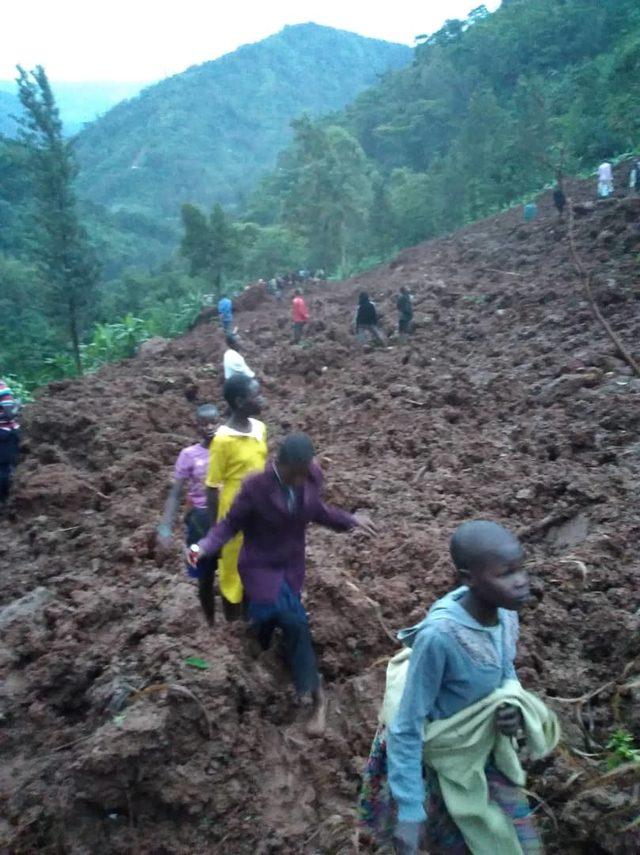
<point x="509" y="402"/>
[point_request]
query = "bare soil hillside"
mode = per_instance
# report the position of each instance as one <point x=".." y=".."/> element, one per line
<point x="510" y="402"/>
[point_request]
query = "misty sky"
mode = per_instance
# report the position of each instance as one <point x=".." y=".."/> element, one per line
<point x="143" y="40"/>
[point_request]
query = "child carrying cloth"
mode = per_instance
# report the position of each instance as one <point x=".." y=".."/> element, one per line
<point x="452" y="707"/>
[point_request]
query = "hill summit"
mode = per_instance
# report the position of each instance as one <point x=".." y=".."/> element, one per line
<point x="209" y="133"/>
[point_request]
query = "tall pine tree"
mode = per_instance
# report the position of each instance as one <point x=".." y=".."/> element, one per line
<point x="70" y="270"/>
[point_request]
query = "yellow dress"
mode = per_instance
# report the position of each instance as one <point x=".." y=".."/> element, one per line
<point x="233" y="456"/>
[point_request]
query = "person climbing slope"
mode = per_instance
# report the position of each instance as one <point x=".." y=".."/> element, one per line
<point x="559" y="200"/>
<point x="404" y="305"/>
<point x="225" y="314"/>
<point x="453" y="777"/>
<point x="366" y="320"/>
<point x="605" y="180"/>
<point x="233" y="362"/>
<point x="273" y="510"/>
<point x="9" y="441"/>
<point x="239" y="448"/>
<point x="299" y="315"/>
<point x="190" y="471"/>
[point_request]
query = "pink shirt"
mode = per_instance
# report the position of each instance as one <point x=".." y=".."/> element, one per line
<point x="299" y="311"/>
<point x="191" y="466"/>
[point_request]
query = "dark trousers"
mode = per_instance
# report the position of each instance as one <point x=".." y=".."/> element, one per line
<point x="197" y="525"/>
<point x="298" y="329"/>
<point x="6" y="476"/>
<point x="404" y="325"/>
<point x="289" y="616"/>
<point x="364" y="331"/>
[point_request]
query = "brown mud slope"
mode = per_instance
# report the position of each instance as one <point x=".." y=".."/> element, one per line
<point x="510" y="403"/>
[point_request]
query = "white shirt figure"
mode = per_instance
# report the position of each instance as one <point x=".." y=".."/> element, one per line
<point x="234" y="363"/>
<point x="605" y="179"/>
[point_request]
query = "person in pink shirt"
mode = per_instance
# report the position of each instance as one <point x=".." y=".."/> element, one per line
<point x="190" y="471"/>
<point x="300" y="315"/>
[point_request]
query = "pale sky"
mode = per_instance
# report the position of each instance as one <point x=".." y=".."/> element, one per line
<point x="145" y="40"/>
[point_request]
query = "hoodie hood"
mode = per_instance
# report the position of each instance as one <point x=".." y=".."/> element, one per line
<point x="446" y="607"/>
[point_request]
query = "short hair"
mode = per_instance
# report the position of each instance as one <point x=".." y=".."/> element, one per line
<point x="237" y="386"/>
<point x="207" y="411"/>
<point x="296" y="450"/>
<point x="231" y="340"/>
<point x="477" y="542"/>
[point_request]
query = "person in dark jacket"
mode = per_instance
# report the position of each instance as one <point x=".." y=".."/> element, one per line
<point x="367" y="320"/>
<point x="404" y="306"/>
<point x="559" y="200"/>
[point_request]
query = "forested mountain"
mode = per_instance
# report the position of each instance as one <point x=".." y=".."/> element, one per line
<point x="79" y="102"/>
<point x="207" y="134"/>
<point x="490" y="110"/>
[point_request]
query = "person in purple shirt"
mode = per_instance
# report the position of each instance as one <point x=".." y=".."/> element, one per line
<point x="190" y="470"/>
<point x="273" y="510"/>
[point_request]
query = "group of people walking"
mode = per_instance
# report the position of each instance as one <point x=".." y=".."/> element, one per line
<point x="366" y="321"/>
<point x="247" y="519"/>
<point x="246" y="523"/>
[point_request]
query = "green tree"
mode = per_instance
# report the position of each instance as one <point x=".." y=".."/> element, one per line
<point x="327" y="192"/>
<point x="70" y="269"/>
<point x="273" y="250"/>
<point x="212" y="246"/>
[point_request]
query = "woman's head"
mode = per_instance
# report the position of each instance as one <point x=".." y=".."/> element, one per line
<point x="363" y="298"/>
<point x="242" y="394"/>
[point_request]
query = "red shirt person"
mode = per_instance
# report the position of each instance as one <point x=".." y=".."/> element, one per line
<point x="300" y="316"/>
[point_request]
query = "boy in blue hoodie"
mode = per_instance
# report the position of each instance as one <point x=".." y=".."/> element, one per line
<point x="461" y="652"/>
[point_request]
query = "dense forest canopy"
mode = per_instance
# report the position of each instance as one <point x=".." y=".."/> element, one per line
<point x="489" y="111"/>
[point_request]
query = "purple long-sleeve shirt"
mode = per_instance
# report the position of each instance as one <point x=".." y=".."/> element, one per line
<point x="273" y="550"/>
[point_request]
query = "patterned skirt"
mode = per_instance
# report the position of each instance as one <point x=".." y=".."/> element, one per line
<point x="376" y="809"/>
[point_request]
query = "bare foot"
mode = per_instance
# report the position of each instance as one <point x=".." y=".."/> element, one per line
<point x="317" y="724"/>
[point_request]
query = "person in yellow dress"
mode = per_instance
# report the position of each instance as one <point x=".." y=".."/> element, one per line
<point x="238" y="448"/>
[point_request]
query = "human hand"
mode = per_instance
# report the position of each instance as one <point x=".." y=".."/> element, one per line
<point x="193" y="555"/>
<point x="508" y="719"/>
<point x="406" y="837"/>
<point x="364" y="522"/>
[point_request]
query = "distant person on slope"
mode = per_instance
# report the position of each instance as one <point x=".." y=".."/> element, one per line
<point x="273" y="510"/>
<point x="233" y="361"/>
<point x="605" y="180"/>
<point x="559" y="200"/>
<point x="404" y="305"/>
<point x="190" y="471"/>
<point x="238" y="449"/>
<point x="9" y="441"/>
<point x="367" y="320"/>
<point x="300" y="316"/>
<point x="634" y="177"/>
<point x="225" y="314"/>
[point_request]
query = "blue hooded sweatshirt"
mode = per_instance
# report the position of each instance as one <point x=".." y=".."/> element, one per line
<point x="455" y="662"/>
